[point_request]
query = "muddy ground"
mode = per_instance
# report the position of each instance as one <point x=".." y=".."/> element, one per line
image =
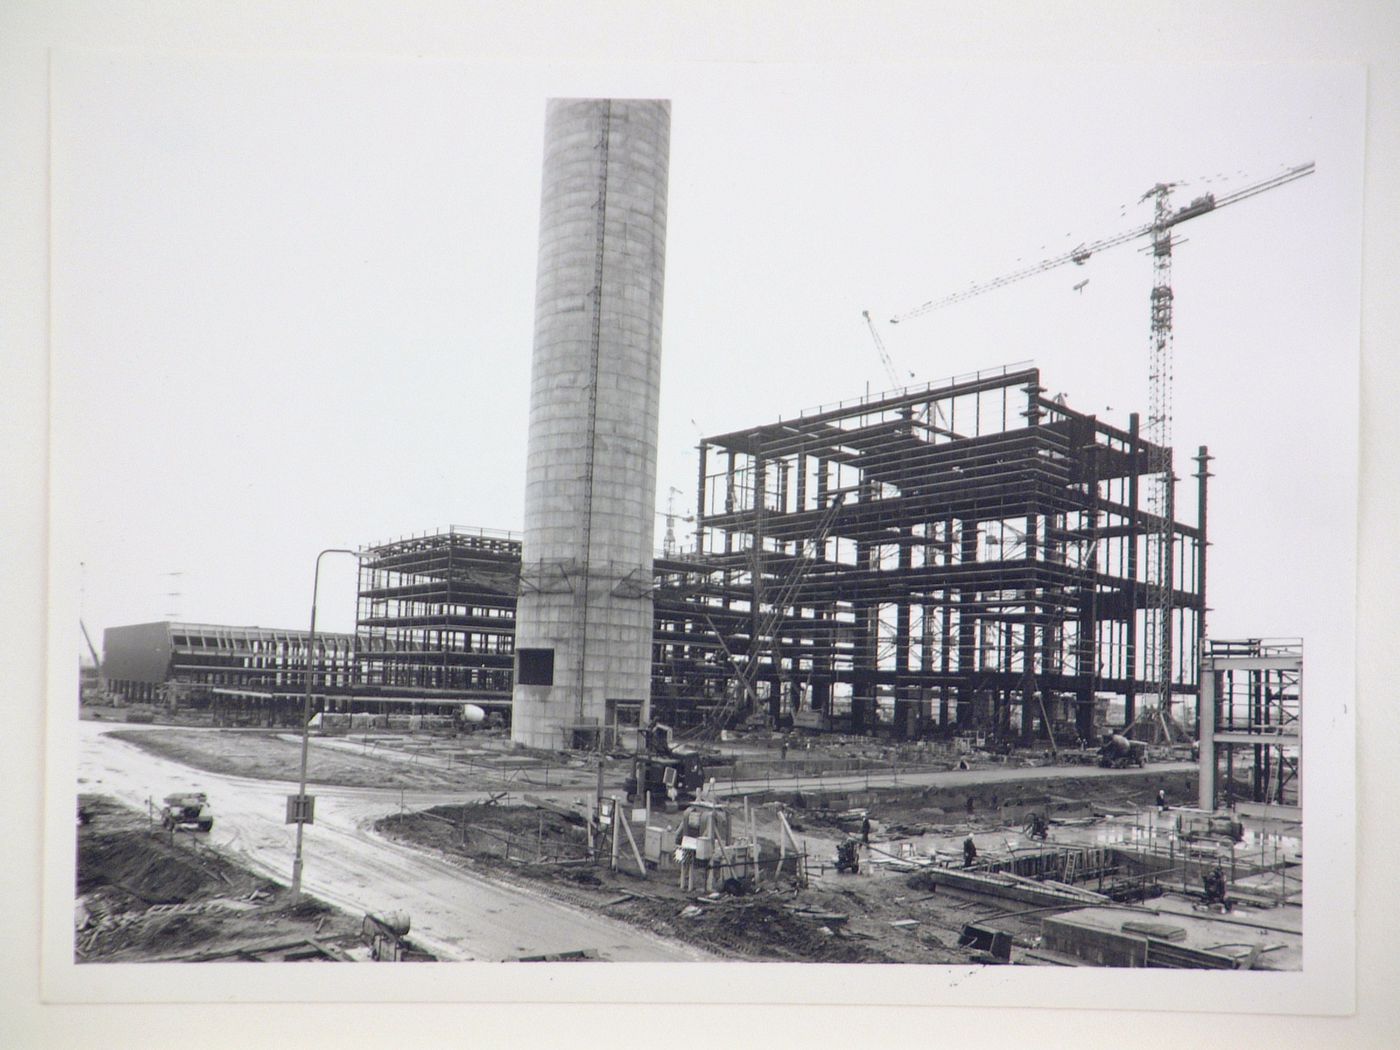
<point x="909" y="812"/>
<point x="144" y="895"/>
<point x="271" y="755"/>
<point x="836" y="918"/>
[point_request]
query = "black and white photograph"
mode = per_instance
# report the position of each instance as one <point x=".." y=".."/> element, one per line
<point x="835" y="531"/>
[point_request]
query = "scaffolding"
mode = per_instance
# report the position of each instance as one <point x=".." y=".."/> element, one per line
<point x="970" y="555"/>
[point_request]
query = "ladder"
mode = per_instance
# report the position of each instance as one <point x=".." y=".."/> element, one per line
<point x="1073" y="862"/>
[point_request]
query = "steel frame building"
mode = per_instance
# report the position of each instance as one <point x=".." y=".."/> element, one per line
<point x="436" y="616"/>
<point x="967" y="555"/>
<point x="436" y="619"/>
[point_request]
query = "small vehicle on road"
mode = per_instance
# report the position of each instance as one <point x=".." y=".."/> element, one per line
<point x="187" y="809"/>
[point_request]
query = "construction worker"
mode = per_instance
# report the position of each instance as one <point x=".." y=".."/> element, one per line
<point x="865" y="832"/>
<point x="1214" y="881"/>
<point x="1162" y="799"/>
<point x="969" y="852"/>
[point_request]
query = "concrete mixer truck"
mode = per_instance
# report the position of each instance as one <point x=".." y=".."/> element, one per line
<point x="1118" y="752"/>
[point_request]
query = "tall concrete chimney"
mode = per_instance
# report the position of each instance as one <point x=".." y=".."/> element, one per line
<point x="584" y="618"/>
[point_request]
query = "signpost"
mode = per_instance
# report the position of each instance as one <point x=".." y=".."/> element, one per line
<point x="301" y="809"/>
<point x="300" y="805"/>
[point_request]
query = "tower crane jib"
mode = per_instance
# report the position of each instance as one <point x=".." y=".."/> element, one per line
<point x="1084" y="252"/>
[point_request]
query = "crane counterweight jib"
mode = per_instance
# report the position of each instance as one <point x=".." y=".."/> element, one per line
<point x="1199" y="206"/>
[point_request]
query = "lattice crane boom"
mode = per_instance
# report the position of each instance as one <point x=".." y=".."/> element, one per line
<point x="96" y="660"/>
<point x="885" y="358"/>
<point x="897" y="382"/>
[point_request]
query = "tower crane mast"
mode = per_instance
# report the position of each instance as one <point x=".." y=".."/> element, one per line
<point x="1157" y="661"/>
<point x="668" y="544"/>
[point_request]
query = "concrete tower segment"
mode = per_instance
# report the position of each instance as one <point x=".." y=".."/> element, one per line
<point x="584" y="617"/>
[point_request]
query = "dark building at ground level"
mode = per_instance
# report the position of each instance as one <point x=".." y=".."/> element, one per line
<point x="257" y="671"/>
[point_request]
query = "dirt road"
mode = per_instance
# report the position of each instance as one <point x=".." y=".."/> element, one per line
<point x="455" y="914"/>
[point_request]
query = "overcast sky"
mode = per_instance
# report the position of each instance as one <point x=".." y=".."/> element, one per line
<point x="293" y="298"/>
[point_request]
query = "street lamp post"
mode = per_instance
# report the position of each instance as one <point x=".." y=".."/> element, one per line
<point x="306" y="716"/>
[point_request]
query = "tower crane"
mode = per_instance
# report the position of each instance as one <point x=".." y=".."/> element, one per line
<point x="1158" y="657"/>
<point x="1080" y="255"/>
<point x="668" y="544"/>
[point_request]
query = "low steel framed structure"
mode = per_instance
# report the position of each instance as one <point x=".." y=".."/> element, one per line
<point x="1251" y="726"/>
<point x="235" y="672"/>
